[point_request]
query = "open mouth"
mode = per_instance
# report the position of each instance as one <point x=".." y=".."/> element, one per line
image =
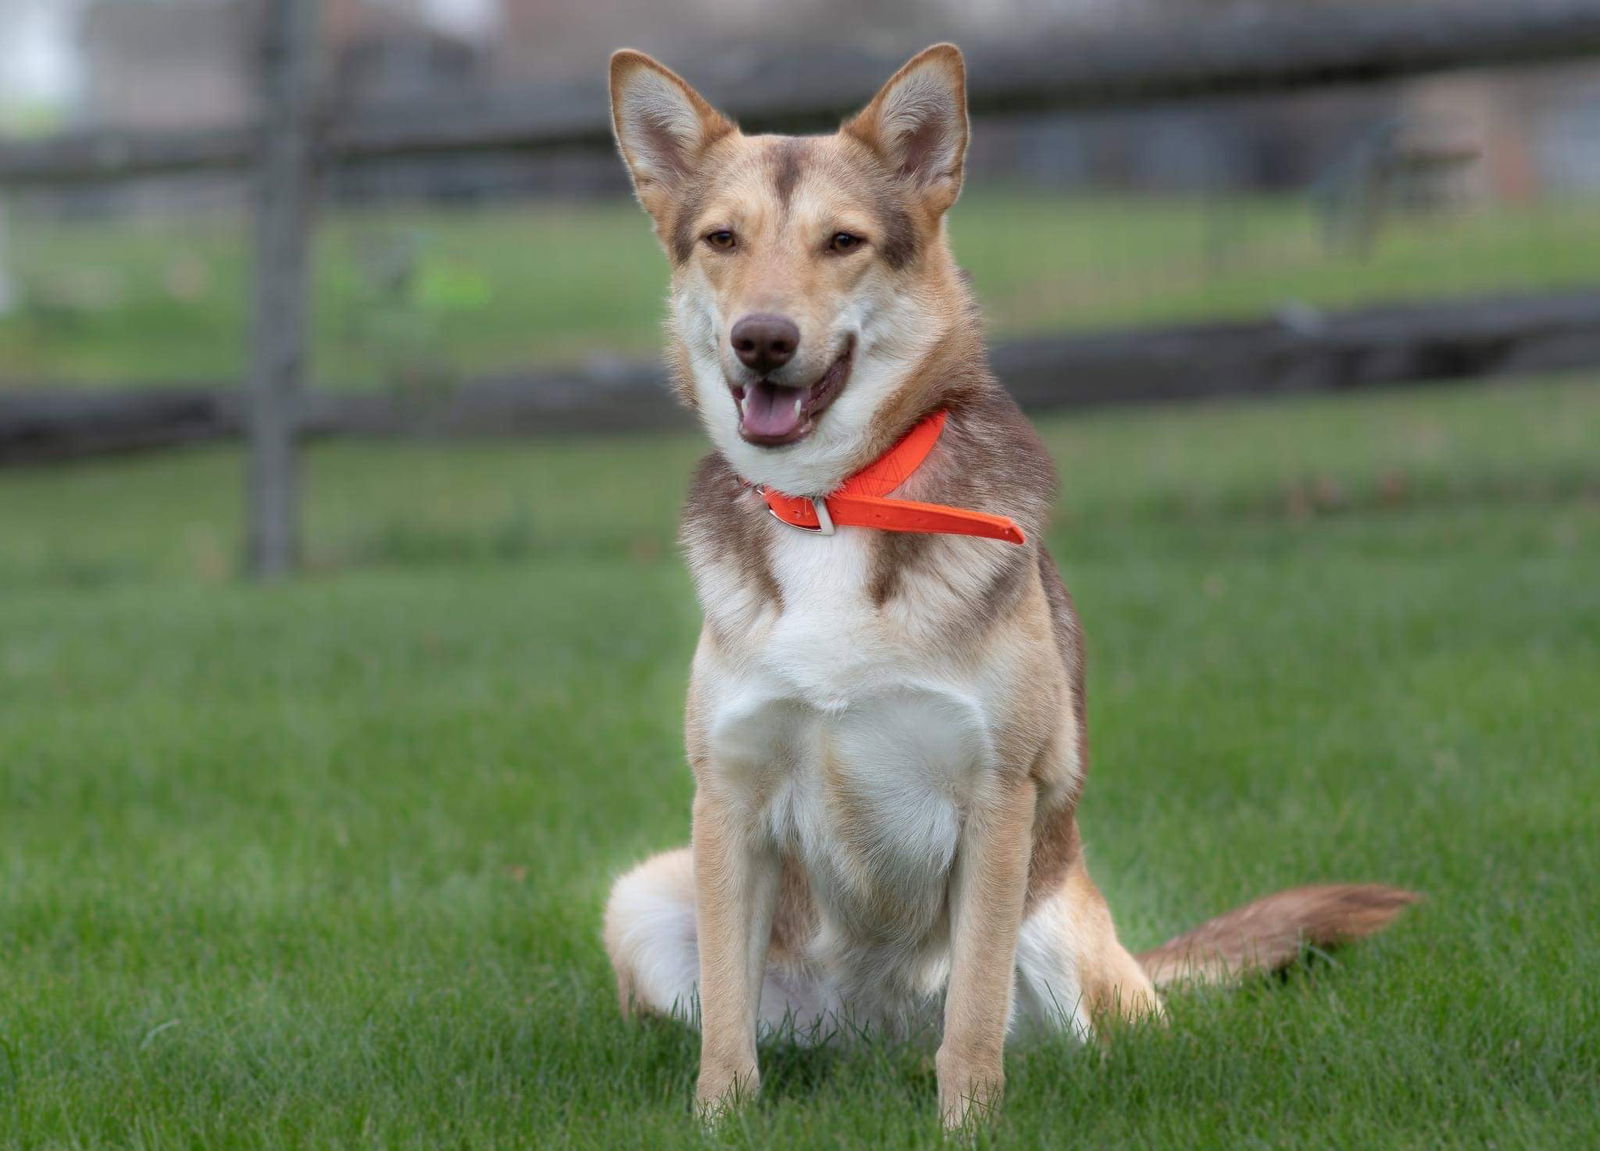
<point x="772" y="414"/>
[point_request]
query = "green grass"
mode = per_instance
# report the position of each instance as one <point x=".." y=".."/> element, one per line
<point x="321" y="865"/>
<point x="507" y="287"/>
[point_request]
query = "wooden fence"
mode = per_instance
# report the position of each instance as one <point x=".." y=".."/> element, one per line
<point x="1235" y="55"/>
<point x="1302" y="351"/>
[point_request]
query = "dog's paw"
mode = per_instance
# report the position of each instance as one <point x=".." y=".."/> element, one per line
<point x="723" y="1090"/>
<point x="969" y="1089"/>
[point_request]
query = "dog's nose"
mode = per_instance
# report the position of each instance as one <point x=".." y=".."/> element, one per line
<point x="764" y="343"/>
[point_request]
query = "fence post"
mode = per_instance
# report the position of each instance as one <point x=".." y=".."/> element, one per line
<point x="8" y="294"/>
<point x="283" y="195"/>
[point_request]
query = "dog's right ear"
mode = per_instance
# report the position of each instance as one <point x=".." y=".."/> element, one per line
<point x="663" y="127"/>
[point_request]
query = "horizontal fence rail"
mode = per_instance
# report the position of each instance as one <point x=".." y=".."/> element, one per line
<point x="1220" y="56"/>
<point x="1300" y="351"/>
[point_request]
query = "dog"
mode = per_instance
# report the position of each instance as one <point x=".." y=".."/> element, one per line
<point x="885" y="717"/>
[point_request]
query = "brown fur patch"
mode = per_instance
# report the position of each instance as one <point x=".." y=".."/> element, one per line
<point x="899" y="244"/>
<point x="786" y="160"/>
<point x="683" y="231"/>
<point x="1069" y="642"/>
<point x="794" y="921"/>
<point x="892" y="554"/>
<point x="1056" y="849"/>
<point x="722" y="512"/>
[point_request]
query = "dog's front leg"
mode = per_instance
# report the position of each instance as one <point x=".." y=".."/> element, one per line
<point x="986" y="901"/>
<point x="736" y="886"/>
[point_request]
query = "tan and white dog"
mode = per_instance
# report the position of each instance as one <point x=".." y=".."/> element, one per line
<point x="886" y="728"/>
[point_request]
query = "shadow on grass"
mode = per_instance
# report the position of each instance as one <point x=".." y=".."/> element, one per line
<point x="794" y="1067"/>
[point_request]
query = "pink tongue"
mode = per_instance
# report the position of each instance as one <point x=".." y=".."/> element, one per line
<point x="769" y="410"/>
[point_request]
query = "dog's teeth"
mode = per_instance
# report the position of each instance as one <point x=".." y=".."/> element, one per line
<point x="797" y="401"/>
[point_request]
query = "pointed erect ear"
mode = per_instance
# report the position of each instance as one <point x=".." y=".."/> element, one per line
<point x="918" y="123"/>
<point x="662" y="125"/>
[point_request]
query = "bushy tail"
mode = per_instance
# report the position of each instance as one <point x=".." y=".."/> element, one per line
<point x="1267" y="935"/>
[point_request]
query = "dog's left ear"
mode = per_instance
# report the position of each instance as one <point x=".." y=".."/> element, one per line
<point x="917" y="123"/>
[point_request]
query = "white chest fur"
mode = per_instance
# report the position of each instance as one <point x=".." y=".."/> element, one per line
<point x="857" y="745"/>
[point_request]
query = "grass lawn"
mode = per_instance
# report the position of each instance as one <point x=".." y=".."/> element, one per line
<point x="418" y="299"/>
<point x="321" y="865"/>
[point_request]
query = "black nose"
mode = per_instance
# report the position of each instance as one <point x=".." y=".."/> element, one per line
<point x="764" y="343"/>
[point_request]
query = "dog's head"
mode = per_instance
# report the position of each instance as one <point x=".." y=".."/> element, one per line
<point x="811" y="276"/>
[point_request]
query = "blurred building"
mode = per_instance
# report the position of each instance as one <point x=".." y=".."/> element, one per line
<point x="181" y="64"/>
<point x="185" y="63"/>
<point x="160" y="65"/>
<point x="175" y="64"/>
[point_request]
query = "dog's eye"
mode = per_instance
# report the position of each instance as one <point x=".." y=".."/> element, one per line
<point x="723" y="240"/>
<point x="844" y="242"/>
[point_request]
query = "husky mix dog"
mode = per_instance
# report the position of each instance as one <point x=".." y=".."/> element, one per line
<point x="885" y="718"/>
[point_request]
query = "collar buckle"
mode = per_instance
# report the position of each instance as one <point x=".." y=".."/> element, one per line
<point x="820" y="506"/>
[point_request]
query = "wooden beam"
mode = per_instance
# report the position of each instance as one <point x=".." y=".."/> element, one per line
<point x="1296" y="352"/>
<point x="1231" y="54"/>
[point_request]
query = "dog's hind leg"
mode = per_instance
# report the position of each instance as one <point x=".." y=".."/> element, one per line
<point x="651" y="937"/>
<point x="1073" y="973"/>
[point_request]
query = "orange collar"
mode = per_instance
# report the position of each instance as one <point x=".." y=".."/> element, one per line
<point x="860" y="501"/>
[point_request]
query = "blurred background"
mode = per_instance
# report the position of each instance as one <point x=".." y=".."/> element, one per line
<point x="1166" y="198"/>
